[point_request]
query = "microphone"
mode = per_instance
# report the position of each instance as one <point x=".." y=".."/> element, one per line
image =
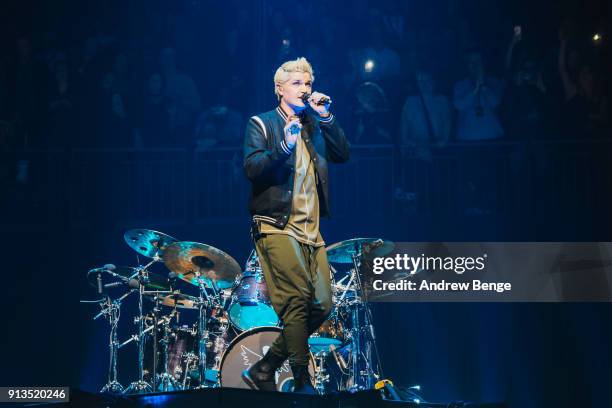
<point x="99" y="271"/>
<point x="323" y="101"/>
<point x="105" y="268"/>
<point x="99" y="280"/>
<point x="132" y="283"/>
<point x="172" y="277"/>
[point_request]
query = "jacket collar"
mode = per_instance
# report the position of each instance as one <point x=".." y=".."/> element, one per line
<point x="282" y="113"/>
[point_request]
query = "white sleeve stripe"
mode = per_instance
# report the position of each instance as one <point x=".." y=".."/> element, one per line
<point x="260" y="122"/>
<point x="327" y="120"/>
<point x="285" y="147"/>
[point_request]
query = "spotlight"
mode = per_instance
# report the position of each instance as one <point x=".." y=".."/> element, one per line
<point x="368" y="66"/>
<point x="597" y="38"/>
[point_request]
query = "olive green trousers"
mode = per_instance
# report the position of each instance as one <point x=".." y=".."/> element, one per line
<point x="298" y="280"/>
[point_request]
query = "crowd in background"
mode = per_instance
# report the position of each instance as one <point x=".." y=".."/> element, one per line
<point x="189" y="74"/>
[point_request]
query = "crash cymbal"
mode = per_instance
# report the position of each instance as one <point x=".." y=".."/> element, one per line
<point x="148" y="242"/>
<point x="189" y="258"/>
<point x="343" y="251"/>
<point x="156" y="282"/>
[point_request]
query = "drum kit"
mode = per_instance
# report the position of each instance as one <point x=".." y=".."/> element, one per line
<point x="232" y="320"/>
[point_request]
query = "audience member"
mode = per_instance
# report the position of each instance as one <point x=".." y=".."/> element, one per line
<point x="182" y="93"/>
<point x="31" y="81"/>
<point x="155" y="122"/>
<point x="220" y="125"/>
<point x="585" y="108"/>
<point x="426" y="117"/>
<point x="61" y="105"/>
<point x="476" y="99"/>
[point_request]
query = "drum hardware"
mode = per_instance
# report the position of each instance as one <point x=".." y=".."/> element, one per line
<point x="111" y="310"/>
<point x="166" y="381"/>
<point x="321" y="375"/>
<point x="151" y="244"/>
<point x="163" y="320"/>
<point x="177" y="300"/>
<point x="203" y="354"/>
<point x="362" y="336"/>
<point x="142" y="275"/>
<point x="202" y="331"/>
<point x="190" y="360"/>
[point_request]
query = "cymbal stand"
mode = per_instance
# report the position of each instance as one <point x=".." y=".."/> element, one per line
<point x="203" y="334"/>
<point x="111" y="310"/>
<point x="361" y="378"/>
<point x="321" y="375"/>
<point x="141" y="386"/>
<point x="134" y="337"/>
<point x="167" y="381"/>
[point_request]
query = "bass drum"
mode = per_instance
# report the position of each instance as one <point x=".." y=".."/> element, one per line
<point x="247" y="349"/>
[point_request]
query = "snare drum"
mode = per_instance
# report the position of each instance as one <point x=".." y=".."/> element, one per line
<point x="331" y="333"/>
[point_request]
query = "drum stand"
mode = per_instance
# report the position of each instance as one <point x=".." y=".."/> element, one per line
<point x="141" y="386"/>
<point x="362" y="376"/>
<point x="111" y="310"/>
<point x="321" y="375"/>
<point x="203" y="302"/>
<point x="190" y="360"/>
<point x="166" y="380"/>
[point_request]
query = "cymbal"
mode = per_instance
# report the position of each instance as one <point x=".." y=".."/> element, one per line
<point x="156" y="282"/>
<point x="188" y="259"/>
<point x="343" y="251"/>
<point x="148" y="242"/>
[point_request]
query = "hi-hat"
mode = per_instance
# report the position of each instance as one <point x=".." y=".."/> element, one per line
<point x="180" y="301"/>
<point x="344" y="251"/>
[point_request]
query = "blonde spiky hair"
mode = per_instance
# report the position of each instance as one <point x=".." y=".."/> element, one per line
<point x="282" y="73"/>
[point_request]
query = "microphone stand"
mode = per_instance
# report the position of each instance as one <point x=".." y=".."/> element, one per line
<point x="111" y="309"/>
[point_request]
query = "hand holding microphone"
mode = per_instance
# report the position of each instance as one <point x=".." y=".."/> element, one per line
<point x="318" y="102"/>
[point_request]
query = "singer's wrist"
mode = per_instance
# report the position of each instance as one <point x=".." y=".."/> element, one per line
<point x="325" y="115"/>
<point x="286" y="147"/>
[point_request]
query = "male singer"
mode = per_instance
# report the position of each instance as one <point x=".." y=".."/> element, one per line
<point x="286" y="151"/>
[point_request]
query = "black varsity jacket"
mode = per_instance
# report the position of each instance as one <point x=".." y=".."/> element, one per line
<point x="270" y="165"/>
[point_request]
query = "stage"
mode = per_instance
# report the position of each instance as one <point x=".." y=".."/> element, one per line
<point x="239" y="398"/>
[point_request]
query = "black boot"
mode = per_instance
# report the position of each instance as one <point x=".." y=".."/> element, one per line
<point x="302" y="383"/>
<point x="261" y="374"/>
